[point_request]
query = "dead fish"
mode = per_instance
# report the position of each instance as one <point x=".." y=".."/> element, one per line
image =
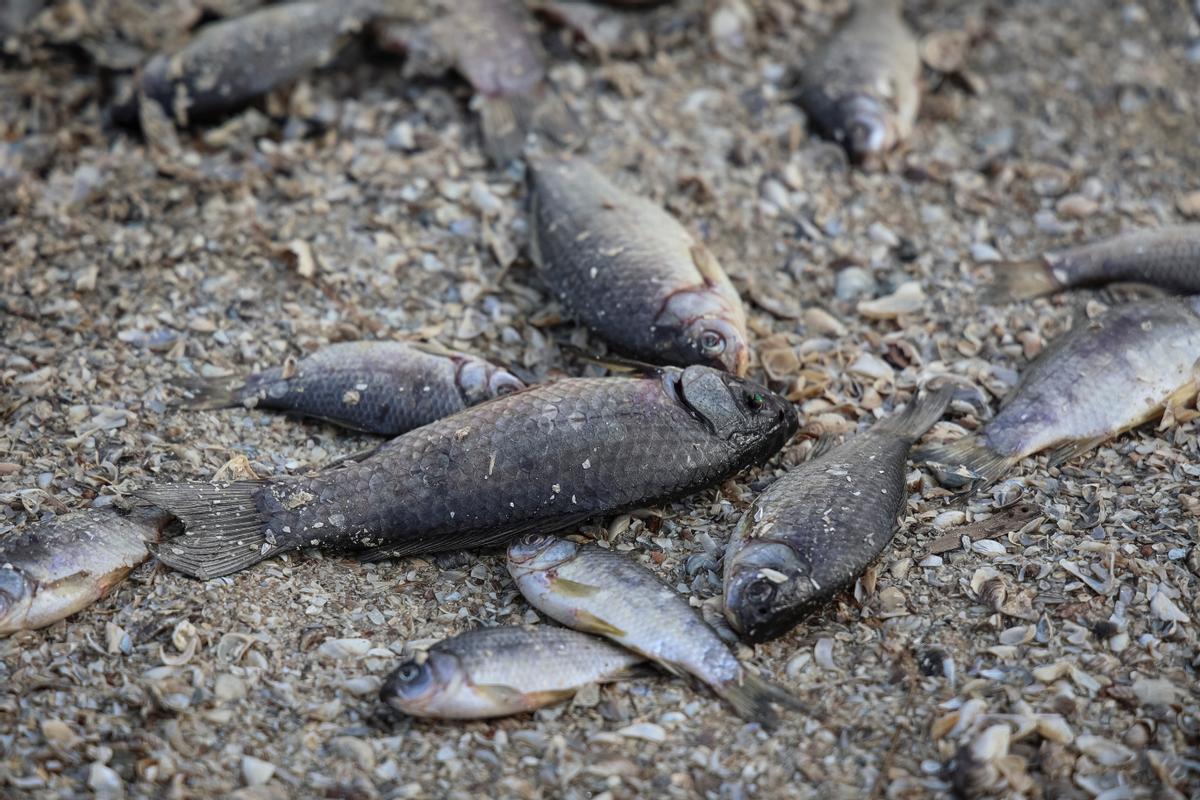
<point x="630" y="272"/>
<point x="607" y="593"/>
<point x="816" y="529"/>
<point x="1168" y="258"/>
<point x="861" y="89"/>
<point x="495" y="672"/>
<point x="378" y="387"/>
<point x="1100" y="379"/>
<point x="58" y="567"/>
<point x="546" y="458"/>
<point x="489" y="43"/>
<point x="231" y="62"/>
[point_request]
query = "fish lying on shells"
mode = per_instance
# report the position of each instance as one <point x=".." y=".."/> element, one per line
<point x="489" y="43"/>
<point x="385" y="388"/>
<point x="545" y="458"/>
<point x="1103" y="377"/>
<point x="604" y="592"/>
<point x="815" y="530"/>
<point x="862" y="88"/>
<point x="495" y="672"/>
<point x="58" y="567"/>
<point x="1167" y="258"/>
<point x="630" y="272"/>
<point x="231" y="62"/>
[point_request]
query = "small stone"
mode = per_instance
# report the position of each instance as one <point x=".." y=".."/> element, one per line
<point x="853" y="283"/>
<point x="344" y="648"/>
<point x="104" y="781"/>
<point x="644" y="730"/>
<point x="1104" y="752"/>
<point x="907" y="299"/>
<point x="984" y="253"/>
<point x="872" y="367"/>
<point x="949" y="519"/>
<point x="229" y="687"/>
<point x="362" y="685"/>
<point x="1189" y="204"/>
<point x="820" y="321"/>
<point x="255" y="771"/>
<point x="882" y="234"/>
<point x="355" y="749"/>
<point x="60" y="733"/>
<point x="1155" y="691"/>
<point x="1076" y="206"/>
<point x="401" y="137"/>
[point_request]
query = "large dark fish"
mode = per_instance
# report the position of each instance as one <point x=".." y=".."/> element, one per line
<point x="55" y="568"/>
<point x="495" y="672"/>
<point x="861" y="89"/>
<point x="1168" y="258"/>
<point x="489" y="43"/>
<point x="607" y="593"/>
<point x="542" y="459"/>
<point x="378" y="387"/>
<point x="630" y="272"/>
<point x="815" y="530"/>
<point x="1103" y="377"/>
<point x="231" y="62"/>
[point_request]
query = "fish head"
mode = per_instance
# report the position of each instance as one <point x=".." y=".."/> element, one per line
<point x="768" y="587"/>
<point x="740" y="411"/>
<point x="478" y="381"/>
<point x="867" y="129"/>
<point x="539" y="552"/>
<point x="699" y="326"/>
<point x="16" y="597"/>
<point x="428" y="684"/>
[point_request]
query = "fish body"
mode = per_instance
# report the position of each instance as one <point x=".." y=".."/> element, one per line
<point x="1167" y="258"/>
<point x="231" y="62"/>
<point x="1101" y="378"/>
<point x="385" y="388"/>
<point x="603" y="592"/>
<point x="495" y="672"/>
<point x="490" y="43"/>
<point x="630" y="272"/>
<point x="545" y="458"/>
<point x="862" y="89"/>
<point x="815" y="530"/>
<point x="58" y="567"/>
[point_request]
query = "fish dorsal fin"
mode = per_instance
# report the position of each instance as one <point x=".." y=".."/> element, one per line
<point x="613" y="363"/>
<point x="707" y="264"/>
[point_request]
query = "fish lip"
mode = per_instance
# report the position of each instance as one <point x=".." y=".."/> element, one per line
<point x="865" y="130"/>
<point x="521" y="561"/>
<point x="16" y="598"/>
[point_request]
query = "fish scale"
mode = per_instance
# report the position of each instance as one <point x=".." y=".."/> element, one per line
<point x="491" y="471"/>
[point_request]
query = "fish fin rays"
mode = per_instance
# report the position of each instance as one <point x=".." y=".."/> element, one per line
<point x="970" y="452"/>
<point x="755" y="699"/>
<point x="572" y="588"/>
<point x="206" y="394"/>
<point x="590" y="623"/>
<point x="507" y="119"/>
<point x="1019" y="280"/>
<point x="1071" y="450"/>
<point x="467" y="539"/>
<point x="224" y="530"/>
<point x="920" y="415"/>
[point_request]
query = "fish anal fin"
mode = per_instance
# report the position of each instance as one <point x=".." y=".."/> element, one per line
<point x="1069" y="451"/>
<point x="588" y="622"/>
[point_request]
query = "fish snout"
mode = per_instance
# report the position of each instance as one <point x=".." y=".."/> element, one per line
<point x="763" y="603"/>
<point x="867" y="130"/>
<point x="504" y="382"/>
<point x="14" y="599"/>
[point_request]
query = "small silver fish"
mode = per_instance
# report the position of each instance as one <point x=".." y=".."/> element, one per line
<point x="599" y="591"/>
<point x="55" y="568"/>
<point x="1167" y="258"/>
<point x="1100" y="379"/>
<point x="494" y="672"/>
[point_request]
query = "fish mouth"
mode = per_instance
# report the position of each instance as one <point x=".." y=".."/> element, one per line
<point x="766" y="595"/>
<point x="867" y="131"/>
<point x="16" y="598"/>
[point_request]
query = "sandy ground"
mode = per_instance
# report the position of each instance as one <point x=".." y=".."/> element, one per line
<point x="124" y="267"/>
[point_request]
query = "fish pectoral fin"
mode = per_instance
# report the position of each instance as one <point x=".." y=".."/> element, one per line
<point x="509" y="697"/>
<point x="707" y="264"/>
<point x="1072" y="450"/>
<point x="572" y="588"/>
<point x="589" y="623"/>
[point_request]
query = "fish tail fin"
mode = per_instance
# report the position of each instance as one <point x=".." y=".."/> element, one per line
<point x="755" y="699"/>
<point x="970" y="452"/>
<point x="507" y="119"/>
<point x="226" y="391"/>
<point x="224" y="529"/>
<point x="1020" y="280"/>
<point x="920" y="415"/>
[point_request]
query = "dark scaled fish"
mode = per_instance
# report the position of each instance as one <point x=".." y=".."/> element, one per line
<point x="542" y="459"/>
<point x="1168" y="258"/>
<point x="489" y="43"/>
<point x="862" y="88"/>
<point x="815" y="530"/>
<point x="495" y="672"/>
<point x="378" y="387"/>
<point x="231" y="62"/>
<point x="607" y="593"/>
<point x="55" y="568"/>
<point x="630" y="272"/>
<point x="1100" y="379"/>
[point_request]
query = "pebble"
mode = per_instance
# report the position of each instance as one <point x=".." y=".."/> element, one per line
<point x="362" y="685"/>
<point x="644" y="730"/>
<point x="104" y="781"/>
<point x="853" y="283"/>
<point x="401" y="137"/>
<point x="229" y="687"/>
<point x="871" y="366"/>
<point x="820" y="321"/>
<point x="344" y="648"/>
<point x="60" y="733"/>
<point x="1076" y="206"/>
<point x="1189" y="204"/>
<point x="355" y="749"/>
<point x="882" y="234"/>
<point x="255" y="771"/>
<point x="984" y="253"/>
<point x="907" y="299"/>
<point x="949" y="519"/>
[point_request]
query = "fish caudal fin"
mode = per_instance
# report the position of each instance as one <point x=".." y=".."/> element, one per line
<point x="755" y="699"/>
<point x="970" y="452"/>
<point x="1020" y="280"/>
<point x="223" y="529"/>
<point x="920" y="415"/>
<point x="507" y="119"/>
<point x="209" y="393"/>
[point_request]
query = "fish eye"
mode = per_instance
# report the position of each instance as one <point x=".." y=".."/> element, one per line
<point x="712" y="342"/>
<point x="755" y="400"/>
<point x="409" y="672"/>
<point x="760" y="593"/>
